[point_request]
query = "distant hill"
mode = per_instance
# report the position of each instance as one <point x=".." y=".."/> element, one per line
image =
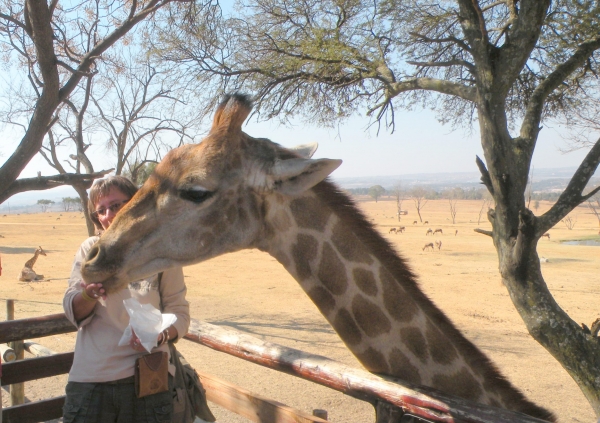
<point x="543" y="180"/>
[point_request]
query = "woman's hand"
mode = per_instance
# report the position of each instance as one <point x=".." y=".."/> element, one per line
<point x="93" y="290"/>
<point x="136" y="344"/>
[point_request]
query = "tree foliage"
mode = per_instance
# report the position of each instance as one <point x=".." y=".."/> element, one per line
<point x="71" y="203"/>
<point x="376" y="191"/>
<point x="45" y="204"/>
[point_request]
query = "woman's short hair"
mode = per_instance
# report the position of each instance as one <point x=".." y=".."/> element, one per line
<point x="102" y="187"/>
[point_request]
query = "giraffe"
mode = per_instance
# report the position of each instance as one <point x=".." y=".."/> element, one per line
<point x="27" y="274"/>
<point x="233" y="192"/>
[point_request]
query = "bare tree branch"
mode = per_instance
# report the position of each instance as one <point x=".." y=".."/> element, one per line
<point x="572" y="195"/>
<point x="48" y="182"/>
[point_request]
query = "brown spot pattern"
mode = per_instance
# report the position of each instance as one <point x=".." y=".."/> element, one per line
<point x="403" y="368"/>
<point x="304" y="209"/>
<point x="253" y="207"/>
<point x="365" y="280"/>
<point x="415" y="342"/>
<point x="441" y="350"/>
<point x="347" y="245"/>
<point x="373" y="361"/>
<point x="205" y="241"/>
<point x="369" y="317"/>
<point x="332" y="272"/>
<point x="461" y="383"/>
<point x="242" y="217"/>
<point x="303" y="251"/>
<point x="212" y="218"/>
<point x="232" y="213"/>
<point x="322" y="298"/>
<point x="397" y="303"/>
<point x="346" y="327"/>
<point x="236" y="162"/>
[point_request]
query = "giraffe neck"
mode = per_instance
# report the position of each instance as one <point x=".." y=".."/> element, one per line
<point x="371" y="298"/>
<point x="29" y="264"/>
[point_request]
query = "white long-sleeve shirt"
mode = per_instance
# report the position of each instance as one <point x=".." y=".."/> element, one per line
<point x="98" y="358"/>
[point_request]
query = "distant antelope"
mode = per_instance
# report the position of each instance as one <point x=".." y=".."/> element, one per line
<point x="392" y="231"/>
<point x="427" y="246"/>
<point x="429" y="231"/>
<point x="438" y="230"/>
<point x="426" y="222"/>
<point x="456" y="232"/>
<point x="547" y="235"/>
<point x="438" y="244"/>
<point x="415" y="222"/>
<point x="401" y="229"/>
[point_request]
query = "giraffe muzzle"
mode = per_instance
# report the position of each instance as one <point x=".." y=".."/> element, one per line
<point x="101" y="268"/>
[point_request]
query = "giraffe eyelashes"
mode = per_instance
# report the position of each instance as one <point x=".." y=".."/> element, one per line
<point x="195" y="196"/>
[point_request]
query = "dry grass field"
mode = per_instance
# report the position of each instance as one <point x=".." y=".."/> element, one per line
<point x="251" y="292"/>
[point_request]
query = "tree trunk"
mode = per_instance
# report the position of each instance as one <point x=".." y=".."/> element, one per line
<point x="86" y="212"/>
<point x="515" y="234"/>
<point x="578" y="352"/>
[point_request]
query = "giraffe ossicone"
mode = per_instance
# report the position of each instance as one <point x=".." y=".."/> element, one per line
<point x="233" y="192"/>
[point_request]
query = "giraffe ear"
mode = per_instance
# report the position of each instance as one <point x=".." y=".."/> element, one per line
<point x="305" y="150"/>
<point x="294" y="176"/>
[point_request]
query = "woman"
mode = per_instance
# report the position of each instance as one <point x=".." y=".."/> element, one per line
<point x="101" y="384"/>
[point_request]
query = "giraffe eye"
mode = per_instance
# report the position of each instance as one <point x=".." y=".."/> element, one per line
<point x="195" y="195"/>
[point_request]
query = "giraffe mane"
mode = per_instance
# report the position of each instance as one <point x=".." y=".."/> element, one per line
<point x="346" y="209"/>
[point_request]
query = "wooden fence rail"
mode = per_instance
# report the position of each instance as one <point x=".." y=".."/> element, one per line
<point x="416" y="400"/>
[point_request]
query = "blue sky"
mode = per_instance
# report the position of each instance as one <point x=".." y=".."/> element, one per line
<point x="419" y="145"/>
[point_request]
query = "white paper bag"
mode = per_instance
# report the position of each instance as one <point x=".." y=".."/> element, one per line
<point x="146" y="321"/>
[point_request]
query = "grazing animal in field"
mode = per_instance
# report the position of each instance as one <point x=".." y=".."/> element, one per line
<point x="415" y="222"/>
<point x="426" y="222"/>
<point x="392" y="231"/>
<point x="438" y="231"/>
<point x="428" y="246"/>
<point x="438" y="244"/>
<point x="401" y="229"/>
<point x="234" y="192"/>
<point x="429" y="232"/>
<point x="27" y="274"/>
<point x="546" y="235"/>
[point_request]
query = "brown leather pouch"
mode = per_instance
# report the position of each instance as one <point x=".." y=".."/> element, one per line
<point x="152" y="374"/>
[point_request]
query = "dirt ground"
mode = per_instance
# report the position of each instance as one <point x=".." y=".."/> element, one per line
<point x="251" y="292"/>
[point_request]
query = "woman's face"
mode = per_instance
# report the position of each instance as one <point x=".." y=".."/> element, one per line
<point x="109" y="205"/>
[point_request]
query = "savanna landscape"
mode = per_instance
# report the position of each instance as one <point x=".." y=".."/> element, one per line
<point x="251" y="292"/>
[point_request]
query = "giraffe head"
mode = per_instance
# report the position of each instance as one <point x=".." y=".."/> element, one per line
<point x="203" y="200"/>
<point x="39" y="250"/>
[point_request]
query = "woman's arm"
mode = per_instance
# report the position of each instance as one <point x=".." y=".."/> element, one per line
<point x="77" y="305"/>
<point x="85" y="301"/>
<point x="172" y="293"/>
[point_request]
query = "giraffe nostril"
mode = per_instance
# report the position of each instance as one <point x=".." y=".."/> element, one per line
<point x="93" y="256"/>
